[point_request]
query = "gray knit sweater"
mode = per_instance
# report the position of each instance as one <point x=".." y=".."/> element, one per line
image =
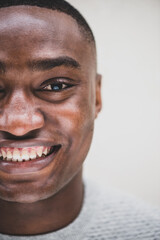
<point x="106" y="215"/>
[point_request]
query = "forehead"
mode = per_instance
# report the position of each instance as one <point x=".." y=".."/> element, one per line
<point x="38" y="31"/>
<point x="24" y="20"/>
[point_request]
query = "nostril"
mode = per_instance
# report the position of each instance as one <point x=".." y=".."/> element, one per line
<point x="10" y="136"/>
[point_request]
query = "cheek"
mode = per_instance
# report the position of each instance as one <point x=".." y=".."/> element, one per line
<point x="78" y="114"/>
<point x="74" y="114"/>
<point x="74" y="121"/>
<point x="76" y="118"/>
<point x="77" y="122"/>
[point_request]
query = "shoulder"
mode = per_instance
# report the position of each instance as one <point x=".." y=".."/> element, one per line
<point x="120" y="216"/>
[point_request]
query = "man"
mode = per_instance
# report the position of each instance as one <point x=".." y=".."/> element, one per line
<point x="50" y="97"/>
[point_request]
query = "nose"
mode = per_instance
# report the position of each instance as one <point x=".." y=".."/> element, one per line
<point x="19" y="115"/>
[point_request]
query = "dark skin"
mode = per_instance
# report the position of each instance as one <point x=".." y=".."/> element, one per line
<point x="40" y="48"/>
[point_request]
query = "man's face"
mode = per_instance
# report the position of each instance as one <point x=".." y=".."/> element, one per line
<point x="49" y="97"/>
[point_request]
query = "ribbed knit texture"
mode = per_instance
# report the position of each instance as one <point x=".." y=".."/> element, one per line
<point x="107" y="215"/>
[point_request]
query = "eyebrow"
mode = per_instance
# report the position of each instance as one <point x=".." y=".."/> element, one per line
<point x="48" y="64"/>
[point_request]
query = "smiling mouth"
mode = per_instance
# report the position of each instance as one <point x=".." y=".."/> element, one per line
<point x="26" y="154"/>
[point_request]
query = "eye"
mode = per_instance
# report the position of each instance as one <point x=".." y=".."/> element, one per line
<point x="56" y="87"/>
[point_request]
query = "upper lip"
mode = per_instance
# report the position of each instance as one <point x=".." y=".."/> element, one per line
<point x="26" y="143"/>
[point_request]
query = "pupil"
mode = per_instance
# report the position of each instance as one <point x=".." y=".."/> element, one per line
<point x="57" y="87"/>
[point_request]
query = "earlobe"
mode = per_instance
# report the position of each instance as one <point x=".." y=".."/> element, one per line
<point x="98" y="103"/>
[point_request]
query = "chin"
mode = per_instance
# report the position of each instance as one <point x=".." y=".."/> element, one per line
<point x="21" y="198"/>
<point x="24" y="197"/>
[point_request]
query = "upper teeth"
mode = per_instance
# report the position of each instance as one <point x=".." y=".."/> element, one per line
<point x="23" y="154"/>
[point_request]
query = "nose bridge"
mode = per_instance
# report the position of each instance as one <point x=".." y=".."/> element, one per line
<point x="20" y="115"/>
<point x="18" y="105"/>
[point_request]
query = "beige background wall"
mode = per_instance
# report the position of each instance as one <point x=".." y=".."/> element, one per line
<point x="126" y="149"/>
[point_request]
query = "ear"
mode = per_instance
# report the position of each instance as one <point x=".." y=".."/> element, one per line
<point x="98" y="103"/>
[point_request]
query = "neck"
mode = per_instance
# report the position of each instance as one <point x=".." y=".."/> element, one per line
<point x="44" y="216"/>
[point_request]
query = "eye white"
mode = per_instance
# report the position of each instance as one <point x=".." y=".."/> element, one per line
<point x="55" y="87"/>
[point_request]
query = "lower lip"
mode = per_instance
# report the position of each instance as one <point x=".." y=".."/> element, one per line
<point x="27" y="166"/>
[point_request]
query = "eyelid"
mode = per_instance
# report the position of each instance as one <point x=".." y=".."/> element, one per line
<point x="59" y="80"/>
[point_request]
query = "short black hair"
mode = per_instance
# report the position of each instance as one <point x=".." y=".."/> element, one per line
<point x="58" y="5"/>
